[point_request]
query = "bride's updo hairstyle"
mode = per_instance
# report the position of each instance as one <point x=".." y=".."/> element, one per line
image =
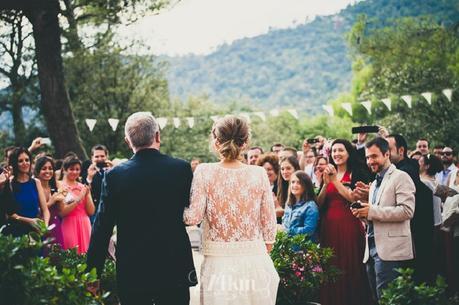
<point x="231" y="135"/>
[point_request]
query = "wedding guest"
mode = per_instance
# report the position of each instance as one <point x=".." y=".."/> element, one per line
<point x="319" y="166"/>
<point x="77" y="207"/>
<point x="44" y="171"/>
<point x="340" y="230"/>
<point x="288" y="165"/>
<point x="301" y="212"/>
<point x="270" y="163"/>
<point x="27" y="193"/>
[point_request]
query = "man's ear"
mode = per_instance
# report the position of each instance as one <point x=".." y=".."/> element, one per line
<point x="158" y="138"/>
<point x="127" y="142"/>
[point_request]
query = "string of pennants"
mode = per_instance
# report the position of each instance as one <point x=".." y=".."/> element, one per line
<point x="408" y="99"/>
<point x="190" y="121"/>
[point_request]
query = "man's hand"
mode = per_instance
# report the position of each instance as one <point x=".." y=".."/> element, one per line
<point x="36" y="144"/>
<point x="306" y="147"/>
<point x="362" y="212"/>
<point x="361" y="191"/>
<point x="383" y="132"/>
<point x="4" y="176"/>
<point x="92" y="170"/>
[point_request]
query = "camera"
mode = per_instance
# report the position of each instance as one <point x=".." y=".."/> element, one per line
<point x="101" y="165"/>
<point x="365" y="129"/>
<point x="312" y="141"/>
<point x="356" y="205"/>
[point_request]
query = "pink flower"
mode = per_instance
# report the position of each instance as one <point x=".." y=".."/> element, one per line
<point x="317" y="269"/>
<point x="298" y="273"/>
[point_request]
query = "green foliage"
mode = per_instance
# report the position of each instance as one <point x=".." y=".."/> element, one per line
<point x="409" y="56"/>
<point x="403" y="291"/>
<point x="104" y="83"/>
<point x="60" y="279"/>
<point x="303" y="267"/>
<point x="305" y="66"/>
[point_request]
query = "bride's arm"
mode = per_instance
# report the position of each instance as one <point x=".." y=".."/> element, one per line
<point x="268" y="215"/>
<point x="194" y="214"/>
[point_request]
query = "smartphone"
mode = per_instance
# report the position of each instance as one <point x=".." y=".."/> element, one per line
<point x="356" y="205"/>
<point x="312" y="141"/>
<point x="365" y="129"/>
<point x="46" y="141"/>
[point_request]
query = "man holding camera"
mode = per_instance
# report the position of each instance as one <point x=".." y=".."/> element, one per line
<point x="96" y="171"/>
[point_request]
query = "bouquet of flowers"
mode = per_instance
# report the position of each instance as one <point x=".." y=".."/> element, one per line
<point x="303" y="267"/>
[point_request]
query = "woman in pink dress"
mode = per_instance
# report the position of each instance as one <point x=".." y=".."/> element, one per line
<point x="77" y="207"/>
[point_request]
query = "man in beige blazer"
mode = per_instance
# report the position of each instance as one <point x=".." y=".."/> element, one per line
<point x="388" y="212"/>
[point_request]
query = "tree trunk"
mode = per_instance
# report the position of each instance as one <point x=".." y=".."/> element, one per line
<point x="54" y="96"/>
<point x="18" y="120"/>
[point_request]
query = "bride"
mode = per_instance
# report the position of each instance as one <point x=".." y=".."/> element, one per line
<point x="235" y="203"/>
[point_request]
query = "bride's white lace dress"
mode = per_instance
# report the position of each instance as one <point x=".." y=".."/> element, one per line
<point x="238" y="217"/>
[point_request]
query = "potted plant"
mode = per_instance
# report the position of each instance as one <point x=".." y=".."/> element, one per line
<point x="303" y="266"/>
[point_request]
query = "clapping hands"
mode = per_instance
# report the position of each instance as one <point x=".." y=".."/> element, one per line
<point x="361" y="191"/>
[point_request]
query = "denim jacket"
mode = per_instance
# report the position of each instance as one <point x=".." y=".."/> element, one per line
<point x="301" y="218"/>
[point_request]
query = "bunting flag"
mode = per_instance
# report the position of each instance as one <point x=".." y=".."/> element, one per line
<point x="274" y="112"/>
<point x="367" y="105"/>
<point x="176" y="122"/>
<point x="347" y="107"/>
<point x="329" y="109"/>
<point x="246" y="116"/>
<point x="407" y="99"/>
<point x="190" y="122"/>
<point x="214" y="118"/>
<point x="91" y="123"/>
<point x="294" y="113"/>
<point x="448" y="93"/>
<point x="261" y="115"/>
<point x="113" y="123"/>
<point x="162" y="122"/>
<point x="388" y="103"/>
<point x="428" y="97"/>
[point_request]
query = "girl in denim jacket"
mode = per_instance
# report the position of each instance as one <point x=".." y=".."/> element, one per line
<point x="301" y="212"/>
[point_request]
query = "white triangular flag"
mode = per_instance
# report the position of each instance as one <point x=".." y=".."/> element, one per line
<point x="448" y="93"/>
<point x="214" y="118"/>
<point x="347" y="107"/>
<point x="388" y="103"/>
<point x="407" y="99"/>
<point x="367" y="105"/>
<point x="261" y="115"/>
<point x="190" y="122"/>
<point x="246" y="116"/>
<point x="294" y="113"/>
<point x="113" y="123"/>
<point x="162" y="122"/>
<point x="329" y="109"/>
<point x="176" y="122"/>
<point x="274" y="112"/>
<point x="91" y="123"/>
<point x="428" y="97"/>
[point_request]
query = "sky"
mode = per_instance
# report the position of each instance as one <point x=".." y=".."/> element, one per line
<point x="200" y="26"/>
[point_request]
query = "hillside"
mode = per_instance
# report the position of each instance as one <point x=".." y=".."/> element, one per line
<point x="302" y="67"/>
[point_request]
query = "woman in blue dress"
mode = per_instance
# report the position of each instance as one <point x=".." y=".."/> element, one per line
<point x="29" y="198"/>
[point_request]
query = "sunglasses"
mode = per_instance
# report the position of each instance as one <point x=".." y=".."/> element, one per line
<point x="447" y="153"/>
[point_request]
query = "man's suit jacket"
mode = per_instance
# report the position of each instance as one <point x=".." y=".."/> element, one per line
<point x="145" y="198"/>
<point x="391" y="213"/>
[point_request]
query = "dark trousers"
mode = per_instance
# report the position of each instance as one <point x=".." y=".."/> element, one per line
<point x="380" y="273"/>
<point x="177" y="296"/>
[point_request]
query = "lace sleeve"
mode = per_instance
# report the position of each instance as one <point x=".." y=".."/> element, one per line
<point x="195" y="212"/>
<point x="267" y="212"/>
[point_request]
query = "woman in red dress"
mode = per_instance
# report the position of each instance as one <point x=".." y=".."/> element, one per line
<point x="340" y="230"/>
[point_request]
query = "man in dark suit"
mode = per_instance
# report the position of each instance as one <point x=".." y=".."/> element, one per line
<point x="422" y="224"/>
<point x="145" y="198"/>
